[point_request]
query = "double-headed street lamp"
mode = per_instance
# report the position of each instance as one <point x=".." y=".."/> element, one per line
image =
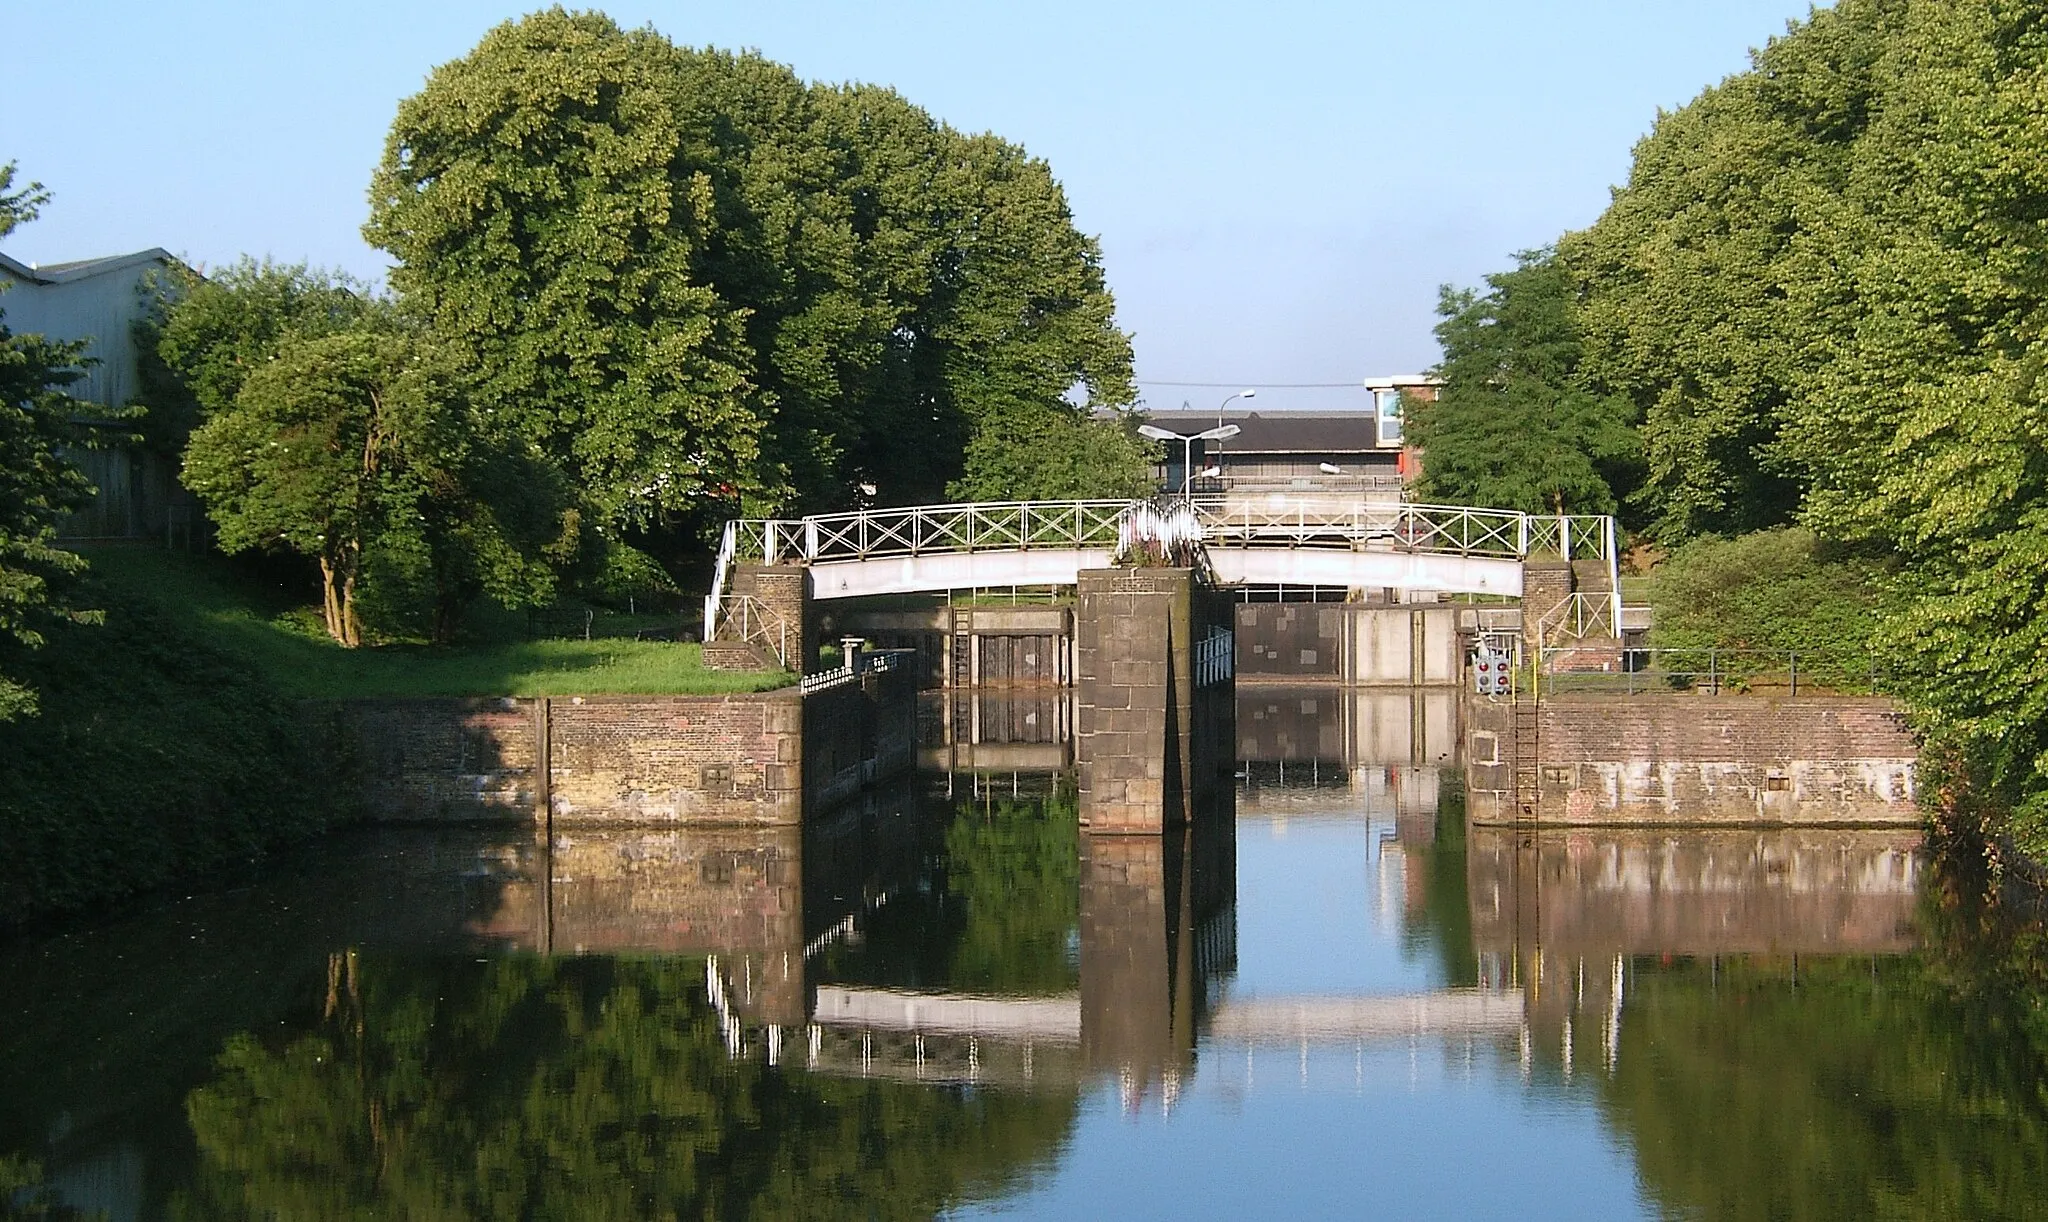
<point x="1187" y="441"/>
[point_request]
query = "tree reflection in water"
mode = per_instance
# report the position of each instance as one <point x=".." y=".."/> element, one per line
<point x="574" y="1087"/>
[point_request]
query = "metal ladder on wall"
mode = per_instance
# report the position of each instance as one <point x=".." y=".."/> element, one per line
<point x="1523" y="711"/>
<point x="963" y="647"/>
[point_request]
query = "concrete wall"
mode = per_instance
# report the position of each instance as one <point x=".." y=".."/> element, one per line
<point x="1668" y="759"/>
<point x="858" y="733"/>
<point x="752" y="758"/>
<point x="1397" y="646"/>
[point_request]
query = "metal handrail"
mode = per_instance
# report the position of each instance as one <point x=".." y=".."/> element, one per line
<point x="1298" y="522"/>
<point x="1304" y="522"/>
<point x="1579" y="616"/>
<point x="1713" y="670"/>
<point x="750" y="616"/>
<point x="728" y="548"/>
<point x="878" y="662"/>
<point x="1215" y="657"/>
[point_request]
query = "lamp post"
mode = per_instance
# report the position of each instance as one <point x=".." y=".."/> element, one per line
<point x="1247" y="393"/>
<point x="1187" y="441"/>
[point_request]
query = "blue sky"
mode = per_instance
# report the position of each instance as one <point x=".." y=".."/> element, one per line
<point x="1279" y="188"/>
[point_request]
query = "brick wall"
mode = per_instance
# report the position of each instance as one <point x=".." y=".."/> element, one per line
<point x="724" y="759"/>
<point x="1754" y="760"/>
<point x="442" y="759"/>
<point x="785" y="590"/>
<point x="666" y="759"/>
<point x="1544" y="587"/>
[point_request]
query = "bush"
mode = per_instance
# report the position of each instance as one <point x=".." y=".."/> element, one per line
<point x="1776" y="590"/>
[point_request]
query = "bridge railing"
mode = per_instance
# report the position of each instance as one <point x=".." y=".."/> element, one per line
<point x="1307" y="522"/>
<point x="1408" y="526"/>
<point x="1304" y="522"/>
<point x="983" y="526"/>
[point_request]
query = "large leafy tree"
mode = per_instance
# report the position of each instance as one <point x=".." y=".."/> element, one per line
<point x="205" y="335"/>
<point x="1824" y="286"/>
<point x="37" y="486"/>
<point x="355" y="451"/>
<point x="698" y="283"/>
<point x="1513" y="426"/>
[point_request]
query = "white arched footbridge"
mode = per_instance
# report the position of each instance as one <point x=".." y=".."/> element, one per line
<point x="1452" y="549"/>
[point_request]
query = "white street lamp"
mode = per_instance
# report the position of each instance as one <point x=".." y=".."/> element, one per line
<point x="1329" y="468"/>
<point x="1187" y="441"/>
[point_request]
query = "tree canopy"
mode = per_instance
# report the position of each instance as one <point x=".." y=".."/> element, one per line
<point x="698" y="283"/>
<point x="1823" y="291"/>
<point x="37" y="485"/>
<point x="1512" y="427"/>
<point x="355" y="450"/>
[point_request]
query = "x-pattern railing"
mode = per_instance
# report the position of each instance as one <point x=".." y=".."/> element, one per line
<point x="1304" y="522"/>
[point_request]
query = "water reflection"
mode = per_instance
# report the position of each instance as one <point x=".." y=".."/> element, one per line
<point x="948" y="1000"/>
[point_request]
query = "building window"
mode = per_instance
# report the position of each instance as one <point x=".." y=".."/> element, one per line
<point x="1387" y="407"/>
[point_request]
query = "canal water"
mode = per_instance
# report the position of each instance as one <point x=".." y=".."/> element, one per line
<point x="948" y="1002"/>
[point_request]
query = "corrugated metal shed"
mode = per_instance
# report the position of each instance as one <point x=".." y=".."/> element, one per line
<point x="96" y="300"/>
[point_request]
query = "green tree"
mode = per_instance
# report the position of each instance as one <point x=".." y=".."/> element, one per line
<point x="1824" y="287"/>
<point x="699" y="284"/>
<point x="1036" y="452"/>
<point x="1512" y="426"/>
<point x="37" y="486"/>
<point x="205" y="335"/>
<point x="355" y="451"/>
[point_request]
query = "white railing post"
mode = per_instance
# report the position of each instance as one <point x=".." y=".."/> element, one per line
<point x="810" y="538"/>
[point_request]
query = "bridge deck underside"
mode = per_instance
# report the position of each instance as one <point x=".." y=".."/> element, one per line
<point x="1297" y="566"/>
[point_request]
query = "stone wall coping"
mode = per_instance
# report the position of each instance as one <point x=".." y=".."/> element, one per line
<point x="1732" y="700"/>
<point x="512" y="702"/>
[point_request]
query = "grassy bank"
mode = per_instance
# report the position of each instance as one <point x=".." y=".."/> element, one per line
<point x="156" y="757"/>
<point x="271" y="629"/>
